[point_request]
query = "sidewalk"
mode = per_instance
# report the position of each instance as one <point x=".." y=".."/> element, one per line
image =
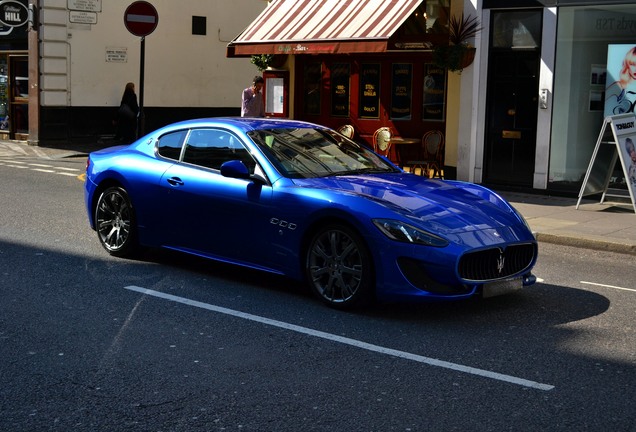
<point x="610" y="226"/>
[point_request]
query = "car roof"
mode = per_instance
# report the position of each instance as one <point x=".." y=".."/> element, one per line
<point x="245" y="124"/>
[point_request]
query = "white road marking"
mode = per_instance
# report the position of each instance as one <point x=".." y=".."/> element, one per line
<point x="608" y="286"/>
<point x="13" y="161"/>
<point x="347" y="341"/>
<point x="44" y="168"/>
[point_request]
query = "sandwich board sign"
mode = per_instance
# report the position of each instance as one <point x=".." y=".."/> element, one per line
<point x="618" y="141"/>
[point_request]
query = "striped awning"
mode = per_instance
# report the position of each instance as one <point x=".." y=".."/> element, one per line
<point x="323" y="26"/>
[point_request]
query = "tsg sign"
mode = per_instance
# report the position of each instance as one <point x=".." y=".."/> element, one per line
<point x="13" y="13"/>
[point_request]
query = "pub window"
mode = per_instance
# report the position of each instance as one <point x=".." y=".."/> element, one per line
<point x="369" y="91"/>
<point x="313" y="86"/>
<point x="401" y="91"/>
<point x="340" y="73"/>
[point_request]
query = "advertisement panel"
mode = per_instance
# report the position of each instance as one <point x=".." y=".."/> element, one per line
<point x="620" y="93"/>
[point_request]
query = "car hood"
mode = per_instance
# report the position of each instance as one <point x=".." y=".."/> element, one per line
<point x="461" y="212"/>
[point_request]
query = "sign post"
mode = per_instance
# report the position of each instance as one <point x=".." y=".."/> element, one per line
<point x="141" y="19"/>
<point x="618" y="141"/>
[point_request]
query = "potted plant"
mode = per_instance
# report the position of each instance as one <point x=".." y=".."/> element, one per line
<point x="458" y="54"/>
<point x="263" y="61"/>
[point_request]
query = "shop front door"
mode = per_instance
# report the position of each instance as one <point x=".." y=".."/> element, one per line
<point x="512" y="104"/>
<point x="19" y="97"/>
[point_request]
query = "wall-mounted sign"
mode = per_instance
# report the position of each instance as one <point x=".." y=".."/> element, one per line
<point x="85" y="5"/>
<point x="13" y="13"/>
<point x="116" y="54"/>
<point x="79" y="17"/>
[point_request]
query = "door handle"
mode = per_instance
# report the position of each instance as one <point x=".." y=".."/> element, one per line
<point x="175" y="181"/>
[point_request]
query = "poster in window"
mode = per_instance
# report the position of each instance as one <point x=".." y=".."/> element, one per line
<point x="369" y="91"/>
<point x="434" y="93"/>
<point x="620" y="93"/>
<point x="340" y="73"/>
<point x="274" y="102"/>
<point x="401" y="91"/>
<point x="313" y="86"/>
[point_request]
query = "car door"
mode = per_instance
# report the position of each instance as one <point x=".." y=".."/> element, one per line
<point x="211" y="214"/>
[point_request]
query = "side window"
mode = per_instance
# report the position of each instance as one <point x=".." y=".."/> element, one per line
<point x="169" y="145"/>
<point x="211" y="148"/>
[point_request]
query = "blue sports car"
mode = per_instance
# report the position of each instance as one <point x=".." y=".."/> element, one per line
<point x="301" y="200"/>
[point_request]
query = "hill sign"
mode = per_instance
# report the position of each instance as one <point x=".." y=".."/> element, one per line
<point x="13" y="13"/>
<point x="141" y="18"/>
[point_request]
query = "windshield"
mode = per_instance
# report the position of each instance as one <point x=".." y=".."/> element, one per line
<point x="309" y="152"/>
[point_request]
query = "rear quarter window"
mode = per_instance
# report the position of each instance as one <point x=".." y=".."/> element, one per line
<point x="170" y="144"/>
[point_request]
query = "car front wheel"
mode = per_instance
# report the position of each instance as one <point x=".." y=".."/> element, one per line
<point x="338" y="267"/>
<point x="115" y="222"/>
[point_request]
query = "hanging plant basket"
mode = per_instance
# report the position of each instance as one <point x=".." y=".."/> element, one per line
<point x="454" y="57"/>
<point x="458" y="54"/>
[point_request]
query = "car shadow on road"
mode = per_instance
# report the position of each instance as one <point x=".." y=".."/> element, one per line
<point x="542" y="303"/>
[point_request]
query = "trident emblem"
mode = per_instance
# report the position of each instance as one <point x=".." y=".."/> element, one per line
<point x="500" y="263"/>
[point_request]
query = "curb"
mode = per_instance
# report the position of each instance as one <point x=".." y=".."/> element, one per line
<point x="587" y="243"/>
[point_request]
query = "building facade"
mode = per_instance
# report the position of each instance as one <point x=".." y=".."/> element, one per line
<point x="83" y="56"/>
<point x="539" y="89"/>
<point x="526" y="113"/>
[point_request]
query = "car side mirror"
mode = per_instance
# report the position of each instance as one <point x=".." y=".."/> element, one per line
<point x="235" y="169"/>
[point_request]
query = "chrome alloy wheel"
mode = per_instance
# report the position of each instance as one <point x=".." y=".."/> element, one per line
<point x="114" y="219"/>
<point x="338" y="267"/>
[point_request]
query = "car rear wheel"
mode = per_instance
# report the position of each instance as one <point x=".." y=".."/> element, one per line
<point x="338" y="267"/>
<point x="115" y="222"/>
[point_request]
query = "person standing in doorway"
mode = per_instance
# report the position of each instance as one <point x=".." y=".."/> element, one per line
<point x="252" y="100"/>
<point x="127" y="115"/>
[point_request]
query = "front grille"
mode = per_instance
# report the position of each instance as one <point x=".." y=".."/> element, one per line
<point x="497" y="263"/>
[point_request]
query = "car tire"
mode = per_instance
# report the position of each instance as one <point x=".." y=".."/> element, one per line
<point x="338" y="267"/>
<point x="115" y="222"/>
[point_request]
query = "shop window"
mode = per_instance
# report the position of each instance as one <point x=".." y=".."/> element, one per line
<point x="4" y="94"/>
<point x="340" y="89"/>
<point x="401" y="91"/>
<point x="581" y="80"/>
<point x="369" y="91"/>
<point x="313" y="88"/>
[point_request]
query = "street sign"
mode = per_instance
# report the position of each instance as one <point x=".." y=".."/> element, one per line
<point x="141" y="18"/>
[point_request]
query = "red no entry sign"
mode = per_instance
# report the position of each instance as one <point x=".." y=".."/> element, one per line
<point x="141" y="18"/>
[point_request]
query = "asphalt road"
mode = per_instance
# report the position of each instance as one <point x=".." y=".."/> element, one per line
<point x="170" y="343"/>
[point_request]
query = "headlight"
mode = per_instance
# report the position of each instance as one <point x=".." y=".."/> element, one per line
<point x="402" y="232"/>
